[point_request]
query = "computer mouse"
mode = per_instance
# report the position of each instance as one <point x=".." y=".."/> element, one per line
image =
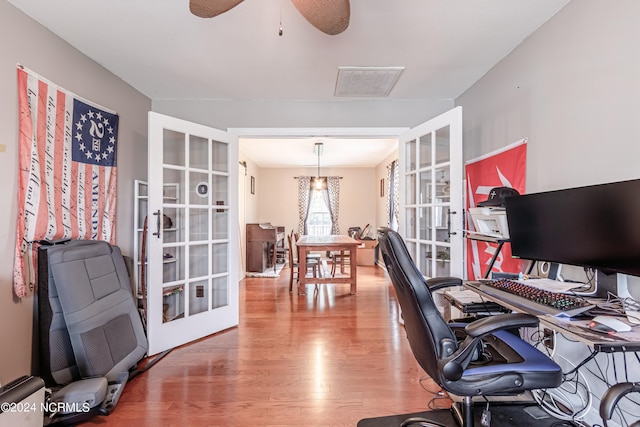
<point x="608" y="324"/>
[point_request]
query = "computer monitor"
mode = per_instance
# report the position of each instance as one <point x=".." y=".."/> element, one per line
<point x="596" y="226"/>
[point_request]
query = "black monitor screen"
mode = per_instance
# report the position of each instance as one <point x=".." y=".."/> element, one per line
<point x="596" y="226"/>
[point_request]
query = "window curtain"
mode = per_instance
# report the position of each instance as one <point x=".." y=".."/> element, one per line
<point x="393" y="197"/>
<point x="304" y="191"/>
<point x="332" y="197"/>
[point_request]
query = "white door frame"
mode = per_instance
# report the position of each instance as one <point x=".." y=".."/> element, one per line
<point x="355" y="132"/>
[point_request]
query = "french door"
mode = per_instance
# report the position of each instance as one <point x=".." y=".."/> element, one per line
<point x="431" y="194"/>
<point x="192" y="287"/>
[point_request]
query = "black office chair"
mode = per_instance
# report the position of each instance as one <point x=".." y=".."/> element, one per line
<point x="611" y="397"/>
<point x="488" y="361"/>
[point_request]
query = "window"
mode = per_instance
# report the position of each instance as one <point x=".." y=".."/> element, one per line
<point x="393" y="192"/>
<point x="318" y="199"/>
<point x="319" y="218"/>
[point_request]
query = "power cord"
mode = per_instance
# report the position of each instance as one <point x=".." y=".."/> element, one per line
<point x="624" y="411"/>
<point x="560" y="402"/>
<point x="437" y="394"/>
<point x="623" y="414"/>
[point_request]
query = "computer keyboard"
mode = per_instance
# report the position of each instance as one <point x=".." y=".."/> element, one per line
<point x="546" y="301"/>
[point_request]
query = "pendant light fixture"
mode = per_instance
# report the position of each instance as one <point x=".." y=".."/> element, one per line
<point x="318" y="182"/>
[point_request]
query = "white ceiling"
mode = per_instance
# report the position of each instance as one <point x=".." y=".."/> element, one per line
<point x="164" y="52"/>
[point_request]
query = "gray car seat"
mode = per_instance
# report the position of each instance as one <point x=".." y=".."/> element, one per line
<point x="102" y="319"/>
<point x="57" y="364"/>
<point x="91" y="334"/>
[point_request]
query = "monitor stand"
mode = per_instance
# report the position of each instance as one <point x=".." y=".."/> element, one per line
<point x="606" y="283"/>
<point x="628" y="286"/>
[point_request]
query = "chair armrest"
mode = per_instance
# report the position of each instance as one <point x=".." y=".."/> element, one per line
<point x="443" y="282"/>
<point x="482" y="327"/>
<point x="613" y="394"/>
<point x="453" y="367"/>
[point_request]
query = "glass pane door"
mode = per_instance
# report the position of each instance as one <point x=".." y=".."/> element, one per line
<point x="431" y="217"/>
<point x="192" y="286"/>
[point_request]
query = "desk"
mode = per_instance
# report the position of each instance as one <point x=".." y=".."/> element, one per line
<point x="306" y="244"/>
<point x="576" y="329"/>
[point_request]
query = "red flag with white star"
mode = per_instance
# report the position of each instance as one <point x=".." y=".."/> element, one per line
<point x="502" y="168"/>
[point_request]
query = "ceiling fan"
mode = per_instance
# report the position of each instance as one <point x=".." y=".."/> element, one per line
<point x="329" y="16"/>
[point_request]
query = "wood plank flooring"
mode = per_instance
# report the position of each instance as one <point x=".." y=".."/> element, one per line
<point x="326" y="358"/>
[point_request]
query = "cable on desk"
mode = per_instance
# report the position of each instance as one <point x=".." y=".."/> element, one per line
<point x="619" y="306"/>
<point x="631" y="308"/>
<point x="591" y="279"/>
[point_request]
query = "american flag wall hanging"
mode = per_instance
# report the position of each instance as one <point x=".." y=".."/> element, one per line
<point x="67" y="171"/>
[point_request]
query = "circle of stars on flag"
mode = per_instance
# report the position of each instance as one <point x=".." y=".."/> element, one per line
<point x="86" y="150"/>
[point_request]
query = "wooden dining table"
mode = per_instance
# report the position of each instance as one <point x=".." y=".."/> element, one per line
<point x="337" y="242"/>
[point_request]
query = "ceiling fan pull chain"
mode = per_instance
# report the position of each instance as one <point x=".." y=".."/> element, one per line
<point x="280" y="30"/>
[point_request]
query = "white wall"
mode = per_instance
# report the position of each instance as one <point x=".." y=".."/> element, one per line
<point x="248" y="208"/>
<point x="572" y="88"/>
<point x="26" y="42"/>
<point x="223" y="114"/>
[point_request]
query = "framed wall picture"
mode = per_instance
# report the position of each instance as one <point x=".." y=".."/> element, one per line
<point x="381" y="187"/>
<point x="253" y="185"/>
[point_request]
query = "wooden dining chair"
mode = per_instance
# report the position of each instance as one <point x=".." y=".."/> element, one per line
<point x="278" y="251"/>
<point x="316" y="257"/>
<point x="294" y="266"/>
<point x="341" y="259"/>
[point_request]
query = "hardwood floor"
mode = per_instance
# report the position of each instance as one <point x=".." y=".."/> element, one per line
<point x="326" y="358"/>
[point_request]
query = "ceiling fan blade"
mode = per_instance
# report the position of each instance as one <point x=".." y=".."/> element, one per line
<point x="329" y="16"/>
<point x="211" y="8"/>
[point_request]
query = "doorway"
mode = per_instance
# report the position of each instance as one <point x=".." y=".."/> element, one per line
<point x="343" y="155"/>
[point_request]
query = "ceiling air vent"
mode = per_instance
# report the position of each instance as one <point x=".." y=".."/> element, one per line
<point x="366" y="81"/>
